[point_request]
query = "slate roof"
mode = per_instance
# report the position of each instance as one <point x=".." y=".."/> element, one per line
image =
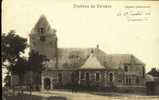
<point x="74" y="58"/>
<point x="115" y="60"/>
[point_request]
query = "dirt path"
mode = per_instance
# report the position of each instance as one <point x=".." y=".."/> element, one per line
<point x="93" y="96"/>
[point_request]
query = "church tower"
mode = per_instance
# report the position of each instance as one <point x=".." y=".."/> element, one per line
<point x="43" y="39"/>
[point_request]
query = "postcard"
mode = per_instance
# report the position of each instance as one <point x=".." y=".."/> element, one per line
<point x="80" y="49"/>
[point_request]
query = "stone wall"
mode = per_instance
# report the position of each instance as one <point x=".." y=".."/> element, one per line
<point x="106" y="78"/>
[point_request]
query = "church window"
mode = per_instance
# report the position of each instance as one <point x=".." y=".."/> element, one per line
<point x="106" y="75"/>
<point x="97" y="76"/>
<point x="111" y="77"/>
<point x="129" y="81"/>
<point x="41" y="30"/>
<point x="87" y="76"/>
<point x="137" y="80"/>
<point x="82" y="75"/>
<point x="126" y="68"/>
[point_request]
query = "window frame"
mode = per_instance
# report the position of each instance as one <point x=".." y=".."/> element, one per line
<point x="126" y="68"/>
<point x="99" y="76"/>
<point x="87" y="73"/>
<point x="112" y="76"/>
<point x="82" y="74"/>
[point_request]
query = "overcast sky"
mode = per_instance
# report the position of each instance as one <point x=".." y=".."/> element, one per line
<point x="87" y="27"/>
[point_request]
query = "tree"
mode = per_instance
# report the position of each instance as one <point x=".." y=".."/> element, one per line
<point x="7" y="80"/>
<point x="12" y="47"/>
<point x="154" y="72"/>
<point x="20" y="68"/>
<point x="36" y="62"/>
<point x="36" y="65"/>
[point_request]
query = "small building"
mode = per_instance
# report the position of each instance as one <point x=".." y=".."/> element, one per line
<point x="152" y="82"/>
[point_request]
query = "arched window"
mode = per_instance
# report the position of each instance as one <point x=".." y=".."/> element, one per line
<point x="87" y="76"/>
<point x="82" y="75"/>
<point x="97" y="76"/>
<point x="126" y="68"/>
<point x="127" y="81"/>
<point x="73" y="77"/>
<point x="41" y="30"/>
<point x="111" y="77"/>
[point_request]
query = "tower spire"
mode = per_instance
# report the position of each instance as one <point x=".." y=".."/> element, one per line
<point x="43" y="26"/>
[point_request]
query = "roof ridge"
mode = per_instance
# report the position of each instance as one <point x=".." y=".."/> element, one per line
<point x="74" y="48"/>
<point x="120" y="54"/>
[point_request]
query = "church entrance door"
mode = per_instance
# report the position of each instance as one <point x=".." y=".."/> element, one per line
<point x="47" y="84"/>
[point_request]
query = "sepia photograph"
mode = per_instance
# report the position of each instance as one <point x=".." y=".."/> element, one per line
<point x="80" y="49"/>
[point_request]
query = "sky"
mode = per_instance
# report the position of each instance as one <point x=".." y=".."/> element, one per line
<point x="87" y="27"/>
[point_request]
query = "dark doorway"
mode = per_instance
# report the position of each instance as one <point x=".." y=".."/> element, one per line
<point x="47" y="83"/>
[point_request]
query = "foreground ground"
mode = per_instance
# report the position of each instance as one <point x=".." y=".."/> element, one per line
<point x="67" y="95"/>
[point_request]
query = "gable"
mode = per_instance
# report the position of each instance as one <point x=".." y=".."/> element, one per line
<point x="92" y="63"/>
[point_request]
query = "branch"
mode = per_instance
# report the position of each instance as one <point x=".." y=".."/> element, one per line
<point x="4" y="65"/>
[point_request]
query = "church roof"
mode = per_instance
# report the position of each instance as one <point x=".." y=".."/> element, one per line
<point x="115" y="60"/>
<point x="75" y="58"/>
<point x="92" y="63"/>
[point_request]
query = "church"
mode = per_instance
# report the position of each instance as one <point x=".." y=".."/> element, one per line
<point x="83" y="67"/>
